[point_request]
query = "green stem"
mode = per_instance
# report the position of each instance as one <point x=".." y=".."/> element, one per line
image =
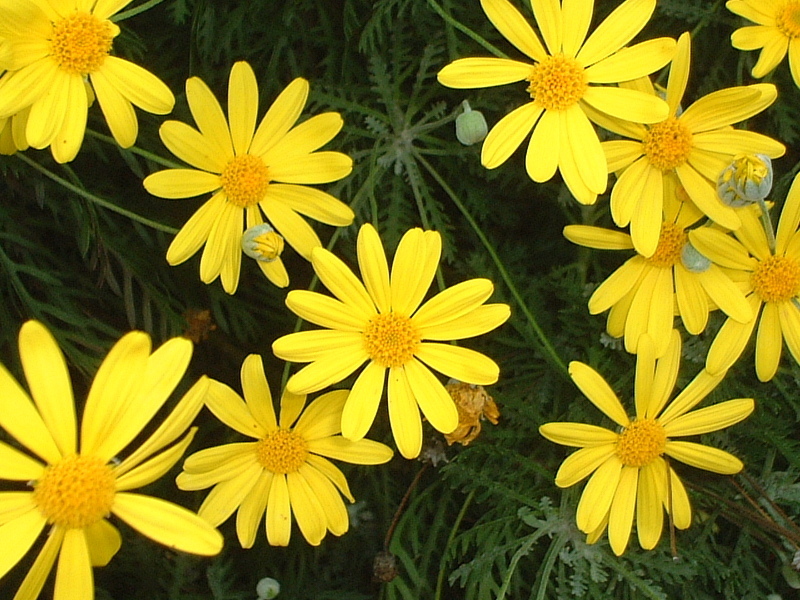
<point x="466" y="30"/>
<point x="524" y="548"/>
<point x="550" y="561"/>
<point x="95" y="199"/>
<point x="766" y="221"/>
<point x="135" y="11"/>
<point x="460" y="517"/>
<point x="134" y="150"/>
<point x="549" y="351"/>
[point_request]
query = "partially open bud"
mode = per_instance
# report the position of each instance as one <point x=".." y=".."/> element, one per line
<point x="471" y="126"/>
<point x="262" y="242"/>
<point x="748" y="179"/>
<point x="268" y="588"/>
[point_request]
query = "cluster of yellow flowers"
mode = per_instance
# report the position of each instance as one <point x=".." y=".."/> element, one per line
<point x="672" y="167"/>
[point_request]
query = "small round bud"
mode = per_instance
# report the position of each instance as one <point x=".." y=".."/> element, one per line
<point x="748" y="179"/>
<point x="693" y="260"/>
<point x="267" y="588"/>
<point x="262" y="242"/>
<point x="471" y="126"/>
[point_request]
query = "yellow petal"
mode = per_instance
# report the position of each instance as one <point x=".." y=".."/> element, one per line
<point x="404" y="415"/>
<point x="242" y="106"/>
<point x="280" y="117"/>
<point x="790" y="218"/>
<point x="476" y="322"/>
<point x="548" y="15"/>
<point x="117" y="109"/>
<point x="137" y="85"/>
<point x="679" y="75"/>
<point x="598" y="237"/>
<point x="629" y="190"/>
<point x="576" y="26"/>
<point x="306" y="346"/>
<point x="459" y="363"/>
<point x="256" y="392"/>
<point x="790" y="326"/>
<point x="323" y="417"/>
<point x="333" y="508"/>
<point x="769" y="343"/>
<point x="252" y="509"/>
<point x="17" y="466"/>
<point x="703" y="194"/>
<point x="324" y="311"/>
<point x="620" y="518"/>
<point x="196" y="230"/>
<point x="758" y="12"/>
<point x="156" y="467"/>
<point x="582" y="463"/>
<point x="700" y="387"/>
<point x="413" y="269"/>
<point x="731" y="340"/>
<point x="211" y="459"/>
<point x="541" y="158"/>
<point x="721" y="249"/>
<point x="193" y="147"/>
<point x="74" y="578"/>
<point x="711" y="418"/>
<point x="340" y="280"/>
<point x="666" y="375"/>
<point x="69" y="137"/>
<point x="579" y="435"/>
<point x="704" y="457"/>
<point x="225" y="235"/>
<point x="48" y="112"/>
<point x="307" y="509"/>
<point x="596" y="499"/>
<point x="181" y="183"/>
<point x="312" y="203"/>
<point x="210" y="119"/>
<point x="727" y="106"/>
<point x="736" y="141"/>
<point x="49" y="383"/>
<point x="38" y="573"/>
<point x="229" y="408"/>
<point x="514" y="27"/>
<point x="644" y="374"/>
<point x="307" y="137"/>
<point x="169" y="524"/>
<point x="17" y="537"/>
<point x="324" y="372"/>
<point x="616" y="30"/>
<point x="725" y="294"/>
<point x="649" y="514"/>
<point x="580" y="155"/>
<point x="506" y="136"/>
<point x="290" y="225"/>
<point x="648" y="214"/>
<point x="104" y="541"/>
<point x="465" y="73"/>
<point x="632" y="62"/>
<point x="279" y="516"/>
<point x="453" y="302"/>
<point x="628" y="104"/>
<point x="374" y="267"/>
<point x="227" y="495"/>
<point x="361" y="452"/>
<point x="599" y="393"/>
<point x="692" y="301"/>
<point x="620" y="283"/>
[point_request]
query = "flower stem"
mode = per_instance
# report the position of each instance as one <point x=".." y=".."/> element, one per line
<point x="549" y="351"/>
<point x="134" y="150"/>
<point x="766" y="221"/>
<point x="95" y="199"/>
<point x="135" y="11"/>
<point x="465" y="30"/>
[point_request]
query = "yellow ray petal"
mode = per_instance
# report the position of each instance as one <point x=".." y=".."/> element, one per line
<point x="227" y="228"/>
<point x="256" y="391"/>
<point x="731" y="339"/>
<point x="279" y="516"/>
<point x="648" y="214"/>
<point x="181" y="183"/>
<point x="700" y="387"/>
<point x="579" y="435"/>
<point x="599" y="393"/>
<point x="168" y="524"/>
<point x="49" y="383"/>
<point x="340" y="280"/>
<point x="666" y="375"/>
<point x="514" y="28"/>
<point x="18" y="466"/>
<point x="211" y="122"/>
<point x="616" y="30"/>
<point x="632" y="62"/>
<point x="598" y="494"/>
<point x="598" y="237"/>
<point x="307" y="509"/>
<point x="17" y="537"/>
<point x="705" y="197"/>
<point x="725" y="294"/>
<point x="413" y="269"/>
<point x="644" y="374"/>
<point x="580" y="153"/>
<point x="576" y="27"/>
<point x="476" y="322"/>
<point x="74" y="578"/>
<point x="323" y="417"/>
<point x="297" y="232"/>
<point x="374" y="267"/>
<point x="117" y="110"/>
<point x="790" y="218"/>
<point x="737" y="141"/>
<point x="404" y="415"/>
<point x="308" y="169"/>
<point x="721" y="249"/>
<point x="156" y="467"/>
<point x="582" y="463"/>
<point x="453" y="302"/>
<point x="227" y="495"/>
<point x="794" y="61"/>
<point x="541" y="158"/>
<point x="324" y="311"/>
<point x="679" y="73"/>
<point x="548" y="15"/>
<point x="620" y="517"/>
<point x="308" y="136"/>
<point x="242" y="106"/>
<point x="620" y="283"/>
<point x="69" y="138"/>
<point x="280" y="117"/>
<point x="627" y="104"/>
<point x="629" y="190"/>
<point x="506" y="136"/>
<point x="361" y="452"/>
<point x="333" y="508"/>
<point x="324" y="372"/>
<point x="229" y="408"/>
<point x="38" y="573"/>
<point x="757" y="12"/>
<point x="193" y="147"/>
<point x="210" y="459"/>
<point x="692" y="303"/>
<point x="466" y="73"/>
<point x="711" y="418"/>
<point x="252" y="509"/>
<point x="727" y="106"/>
<point x="769" y="343"/>
<point x="104" y="541"/>
<point x="459" y="363"/>
<point x="649" y="514"/>
<point x="49" y="111"/>
<point x="704" y="457"/>
<point x="790" y="327"/>
<point x="312" y="203"/>
<point x="138" y="85"/>
<point x="306" y="346"/>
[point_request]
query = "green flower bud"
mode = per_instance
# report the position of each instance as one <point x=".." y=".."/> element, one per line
<point x="748" y="179"/>
<point x="471" y="126"/>
<point x="262" y="243"/>
<point x="267" y="588"/>
<point x="693" y="260"/>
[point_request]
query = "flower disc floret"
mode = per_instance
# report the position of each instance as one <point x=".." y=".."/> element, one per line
<point x="777" y="279"/>
<point x="641" y="443"/>
<point x="76" y="492"/>
<point x="667" y="144"/>
<point x="787" y="20"/>
<point x="557" y="83"/>
<point x="282" y="451"/>
<point x="670" y="246"/>
<point x="390" y="339"/>
<point x="81" y="43"/>
<point x="245" y="180"/>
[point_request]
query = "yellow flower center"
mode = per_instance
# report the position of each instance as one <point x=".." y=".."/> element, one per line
<point x="787" y="19"/>
<point x="81" y="42"/>
<point x="640" y="443"/>
<point x="75" y="492"/>
<point x="245" y="180"/>
<point x="670" y="246"/>
<point x="282" y="451"/>
<point x="390" y="339"/>
<point x="776" y="279"/>
<point x="557" y="82"/>
<point x="668" y="144"/>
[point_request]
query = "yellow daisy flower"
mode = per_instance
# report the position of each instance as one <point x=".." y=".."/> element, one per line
<point x="776" y="33"/>
<point x="380" y="322"/>
<point x="646" y="291"/>
<point x="250" y="170"/>
<point x="696" y="144"/>
<point x="629" y="468"/>
<point x="771" y="281"/>
<point x="565" y="78"/>
<point x="61" y="59"/>
<point x="78" y="484"/>
<point x="286" y="471"/>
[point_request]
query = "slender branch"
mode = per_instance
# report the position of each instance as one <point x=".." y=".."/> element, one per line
<point x="465" y="30"/>
<point x="549" y="351"/>
<point x="134" y="150"/>
<point x="136" y="10"/>
<point x="95" y="199"/>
